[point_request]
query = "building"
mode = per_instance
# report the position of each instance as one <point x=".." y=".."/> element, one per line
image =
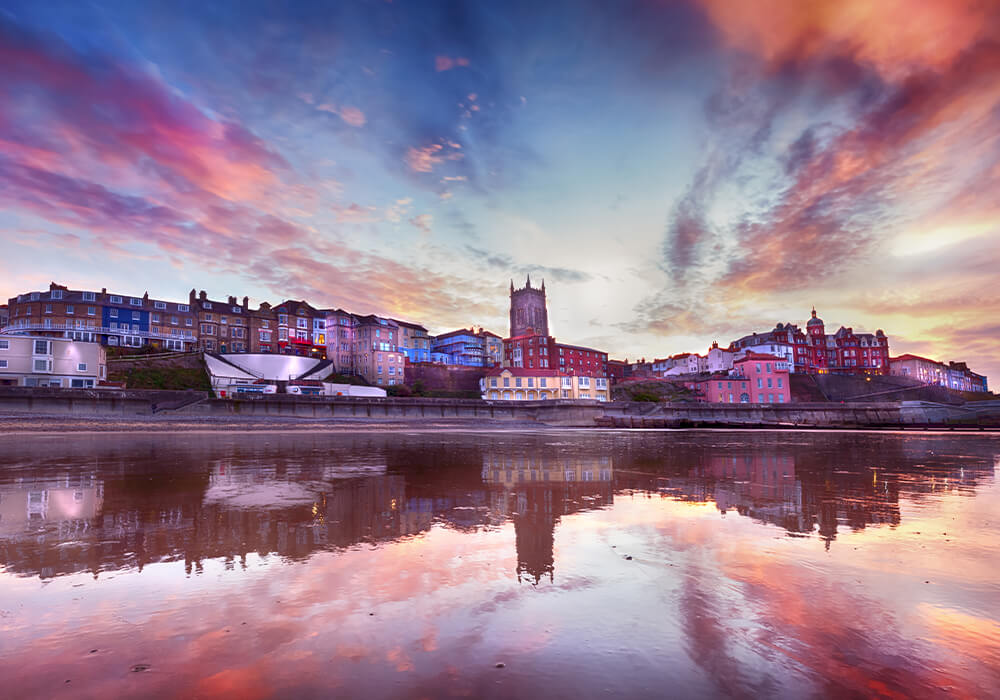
<point x="528" y="312"/>
<point x="110" y="319"/>
<point x="340" y="339"/>
<point x="768" y="377"/>
<point x="617" y="370"/>
<point x="721" y="388"/>
<point x="43" y="361"/>
<point x="301" y="329"/>
<point x="755" y="378"/>
<point x="816" y="352"/>
<point x="954" y="375"/>
<point x="223" y="326"/>
<point x="719" y="359"/>
<point x="414" y="341"/>
<point x="524" y="384"/>
<point x="469" y="347"/>
<point x="263" y="330"/>
<point x="531" y="347"/>
<point x="4" y="316"/>
<point x="376" y="356"/>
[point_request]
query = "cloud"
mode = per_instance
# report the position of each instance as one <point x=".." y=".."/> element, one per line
<point x="443" y="63"/>
<point x="422" y="222"/>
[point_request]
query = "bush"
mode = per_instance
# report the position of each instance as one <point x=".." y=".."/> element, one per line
<point x="645" y="396"/>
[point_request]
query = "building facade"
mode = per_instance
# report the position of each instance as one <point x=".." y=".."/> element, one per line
<point x="377" y="357"/>
<point x="44" y="361"/>
<point x="414" y="341"/>
<point x="954" y="375"/>
<point x="109" y="319"/>
<point x="301" y="329"/>
<point x="263" y="329"/>
<point x="817" y="352"/>
<point x="341" y="339"/>
<point x="525" y="384"/>
<point x="223" y="326"/>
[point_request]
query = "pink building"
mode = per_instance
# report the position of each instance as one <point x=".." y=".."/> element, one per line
<point x="767" y="375"/>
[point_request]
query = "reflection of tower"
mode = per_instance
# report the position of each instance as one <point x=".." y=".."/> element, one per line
<point x="528" y="315"/>
<point x="534" y="535"/>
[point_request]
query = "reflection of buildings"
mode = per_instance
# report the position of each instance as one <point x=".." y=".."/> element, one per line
<point x="152" y="499"/>
<point x="67" y="503"/>
<point x="537" y="490"/>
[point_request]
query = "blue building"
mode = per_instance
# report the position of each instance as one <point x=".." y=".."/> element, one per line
<point x="463" y="347"/>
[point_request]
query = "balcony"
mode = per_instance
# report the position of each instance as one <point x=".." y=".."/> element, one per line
<point x="100" y="330"/>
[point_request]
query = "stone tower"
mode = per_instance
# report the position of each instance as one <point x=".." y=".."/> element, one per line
<point x="527" y="310"/>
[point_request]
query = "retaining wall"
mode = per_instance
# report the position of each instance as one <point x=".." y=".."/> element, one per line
<point x="86" y="403"/>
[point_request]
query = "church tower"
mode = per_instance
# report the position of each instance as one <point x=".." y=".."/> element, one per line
<point x="528" y="314"/>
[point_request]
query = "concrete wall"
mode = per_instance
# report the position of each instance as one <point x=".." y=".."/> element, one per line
<point x="188" y="404"/>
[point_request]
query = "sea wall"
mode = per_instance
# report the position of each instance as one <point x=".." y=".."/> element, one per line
<point x="87" y="403"/>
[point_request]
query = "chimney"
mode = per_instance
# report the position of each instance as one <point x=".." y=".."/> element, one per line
<point x="246" y="303"/>
<point x="104" y="290"/>
<point x="202" y="295"/>
<point x="191" y="297"/>
<point x="145" y="297"/>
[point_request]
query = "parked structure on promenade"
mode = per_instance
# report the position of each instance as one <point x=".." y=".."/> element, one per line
<point x="523" y="384"/>
<point x="42" y="361"/>
<point x="953" y="375"/>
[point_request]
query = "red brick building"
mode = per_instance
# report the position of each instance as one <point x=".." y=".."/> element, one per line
<point x="817" y="352"/>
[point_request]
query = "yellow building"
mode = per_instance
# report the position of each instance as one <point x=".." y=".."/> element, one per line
<point x="527" y="384"/>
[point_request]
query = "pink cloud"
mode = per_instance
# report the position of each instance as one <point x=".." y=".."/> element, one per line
<point x="423" y="160"/>
<point x="443" y="63"/>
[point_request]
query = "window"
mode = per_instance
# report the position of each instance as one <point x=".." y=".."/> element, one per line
<point x="34" y="296"/>
<point x="206" y="305"/>
<point x="41" y="347"/>
<point x="506" y="381"/>
<point x="116" y="299"/>
<point x="136" y="316"/>
<point x="760" y="383"/>
<point x="780" y="382"/>
<point x="81" y="367"/>
<point x="173" y="320"/>
<point x="493" y="382"/>
<point x="48" y="308"/>
<point x="3" y="364"/>
<point x="56" y="294"/>
<point x="770" y="383"/>
<point x="189" y="322"/>
<point x="89" y="296"/>
<point x="42" y="365"/>
<point x="91" y="310"/>
<point x="183" y="307"/>
<point x="208" y="317"/>
<point x="223" y="320"/>
<point x="112" y="313"/>
<point x="4" y="345"/>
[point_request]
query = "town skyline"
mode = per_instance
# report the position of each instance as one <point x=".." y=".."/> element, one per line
<point x="678" y="174"/>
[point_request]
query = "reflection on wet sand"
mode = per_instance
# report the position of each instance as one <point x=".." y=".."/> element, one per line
<point x="733" y="564"/>
<point x="289" y="497"/>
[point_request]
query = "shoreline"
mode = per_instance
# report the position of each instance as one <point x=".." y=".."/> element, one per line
<point x="12" y="424"/>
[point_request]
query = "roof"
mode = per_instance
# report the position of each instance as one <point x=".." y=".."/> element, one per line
<point x="530" y="335"/>
<point x="751" y="355"/>
<point x="910" y="356"/>
<point x="408" y="324"/>
<point x="523" y="372"/>
<point x="580" y="347"/>
<point x="461" y="331"/>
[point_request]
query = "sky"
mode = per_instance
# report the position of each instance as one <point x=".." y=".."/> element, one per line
<point x="678" y="172"/>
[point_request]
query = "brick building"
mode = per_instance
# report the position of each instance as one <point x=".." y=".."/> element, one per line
<point x="110" y="319"/>
<point x="223" y="326"/>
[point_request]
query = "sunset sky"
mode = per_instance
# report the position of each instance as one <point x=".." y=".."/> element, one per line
<point x="678" y="172"/>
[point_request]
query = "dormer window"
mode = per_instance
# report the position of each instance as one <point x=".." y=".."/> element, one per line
<point x="135" y="302"/>
<point x="56" y="294"/>
<point x="116" y="299"/>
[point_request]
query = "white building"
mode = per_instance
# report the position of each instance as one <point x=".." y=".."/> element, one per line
<point x="27" y="360"/>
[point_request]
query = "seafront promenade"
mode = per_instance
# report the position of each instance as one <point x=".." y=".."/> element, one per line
<point x="23" y="407"/>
